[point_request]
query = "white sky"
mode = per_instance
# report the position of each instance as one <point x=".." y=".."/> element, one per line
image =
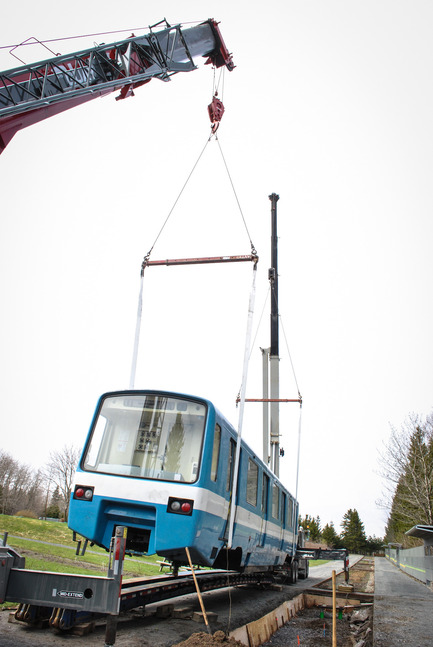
<point x="330" y="107"/>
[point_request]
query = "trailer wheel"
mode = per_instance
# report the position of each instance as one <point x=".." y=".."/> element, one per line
<point x="303" y="573"/>
<point x="293" y="572"/>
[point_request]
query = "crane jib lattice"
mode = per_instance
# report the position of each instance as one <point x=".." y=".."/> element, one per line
<point x="34" y="92"/>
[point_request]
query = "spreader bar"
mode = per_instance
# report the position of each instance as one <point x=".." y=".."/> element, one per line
<point x="273" y="400"/>
<point x="201" y="261"/>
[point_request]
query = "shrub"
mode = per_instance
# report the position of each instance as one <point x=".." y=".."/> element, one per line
<point x="29" y="514"/>
<point x="53" y="511"/>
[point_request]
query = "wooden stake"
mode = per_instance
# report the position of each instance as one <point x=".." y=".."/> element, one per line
<point x="198" y="590"/>
<point x="334" y="611"/>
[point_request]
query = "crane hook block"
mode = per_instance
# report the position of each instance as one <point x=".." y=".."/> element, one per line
<point x="216" y="111"/>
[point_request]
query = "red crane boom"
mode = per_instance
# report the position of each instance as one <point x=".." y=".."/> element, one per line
<point x="34" y="92"/>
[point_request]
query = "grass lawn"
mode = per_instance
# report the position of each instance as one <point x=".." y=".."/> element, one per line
<point x="59" y="555"/>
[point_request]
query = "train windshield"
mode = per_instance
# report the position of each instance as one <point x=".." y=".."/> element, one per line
<point x="147" y="436"/>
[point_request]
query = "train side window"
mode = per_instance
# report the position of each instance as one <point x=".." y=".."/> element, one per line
<point x="252" y="482"/>
<point x="283" y="509"/>
<point x="275" y="501"/>
<point x="232" y="451"/>
<point x="215" y="452"/>
<point x="265" y="489"/>
<point x="290" y="513"/>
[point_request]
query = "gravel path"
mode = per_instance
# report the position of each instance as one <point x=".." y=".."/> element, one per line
<point x="403" y="608"/>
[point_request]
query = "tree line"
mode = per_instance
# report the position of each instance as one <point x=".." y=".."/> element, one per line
<point x="44" y="492"/>
<point x="407" y="469"/>
<point x="352" y="534"/>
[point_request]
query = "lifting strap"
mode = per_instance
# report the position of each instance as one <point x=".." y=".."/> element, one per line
<point x="247" y="353"/>
<point x="297" y="470"/>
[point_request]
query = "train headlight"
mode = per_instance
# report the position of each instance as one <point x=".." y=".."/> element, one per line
<point x="83" y="493"/>
<point x="180" y="506"/>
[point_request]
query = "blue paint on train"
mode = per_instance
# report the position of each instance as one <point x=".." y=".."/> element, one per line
<point x="162" y="465"/>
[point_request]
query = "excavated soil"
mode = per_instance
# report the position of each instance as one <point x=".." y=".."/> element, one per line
<point x="308" y="629"/>
<point x="313" y="627"/>
<point x="202" y="639"/>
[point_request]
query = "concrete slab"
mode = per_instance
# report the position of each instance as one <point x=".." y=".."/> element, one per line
<point x="403" y="608"/>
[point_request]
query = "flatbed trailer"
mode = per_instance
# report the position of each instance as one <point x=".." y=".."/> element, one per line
<point x="64" y="600"/>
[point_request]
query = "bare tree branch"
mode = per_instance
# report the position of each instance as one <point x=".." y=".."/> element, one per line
<point x="61" y="468"/>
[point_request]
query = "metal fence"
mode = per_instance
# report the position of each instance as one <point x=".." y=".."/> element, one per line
<point x="417" y="562"/>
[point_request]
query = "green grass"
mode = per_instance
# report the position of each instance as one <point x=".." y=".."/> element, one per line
<point x="50" y="557"/>
<point x="57" y="532"/>
<point x="318" y="562"/>
<point x="62" y="558"/>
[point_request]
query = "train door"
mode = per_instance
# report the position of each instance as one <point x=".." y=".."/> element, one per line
<point x="283" y="519"/>
<point x="264" y="509"/>
<point x="291" y="523"/>
<point x="229" y="487"/>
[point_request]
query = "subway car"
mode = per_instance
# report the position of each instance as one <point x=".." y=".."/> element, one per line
<point x="162" y="464"/>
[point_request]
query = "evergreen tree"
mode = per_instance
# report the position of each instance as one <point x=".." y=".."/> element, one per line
<point x="330" y="536"/>
<point x="408" y="469"/>
<point x="353" y="533"/>
<point x="54" y="509"/>
<point x="399" y="519"/>
<point x="174" y="447"/>
<point x="311" y="525"/>
<point x="374" y="545"/>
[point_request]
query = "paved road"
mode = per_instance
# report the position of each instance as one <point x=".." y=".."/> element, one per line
<point x="403" y="608"/>
<point x="324" y="571"/>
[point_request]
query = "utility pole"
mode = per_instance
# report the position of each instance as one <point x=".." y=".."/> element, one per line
<point x="274" y="349"/>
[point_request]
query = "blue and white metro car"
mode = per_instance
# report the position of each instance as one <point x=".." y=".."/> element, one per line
<point x="162" y="465"/>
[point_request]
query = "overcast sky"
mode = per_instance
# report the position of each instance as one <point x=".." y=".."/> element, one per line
<point x="329" y="106"/>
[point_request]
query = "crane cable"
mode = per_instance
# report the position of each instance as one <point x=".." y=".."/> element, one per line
<point x="79" y="36"/>
<point x="253" y="249"/>
<point x="290" y="359"/>
<point x="215" y="85"/>
<point x="143" y="265"/>
<point x="299" y="430"/>
<point x="147" y="256"/>
<point x="299" y="395"/>
<point x="212" y="136"/>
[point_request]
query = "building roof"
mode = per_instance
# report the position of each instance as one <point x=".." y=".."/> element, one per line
<point x="422" y="532"/>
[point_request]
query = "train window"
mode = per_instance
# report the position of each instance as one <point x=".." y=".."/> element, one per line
<point x="283" y="509"/>
<point x="229" y="482"/>
<point x="252" y="482"/>
<point x="148" y="436"/>
<point x="265" y="489"/>
<point x="215" y="452"/>
<point x="275" y="501"/>
<point x="290" y="513"/>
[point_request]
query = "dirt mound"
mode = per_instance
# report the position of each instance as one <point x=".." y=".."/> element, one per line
<point x="202" y="639"/>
